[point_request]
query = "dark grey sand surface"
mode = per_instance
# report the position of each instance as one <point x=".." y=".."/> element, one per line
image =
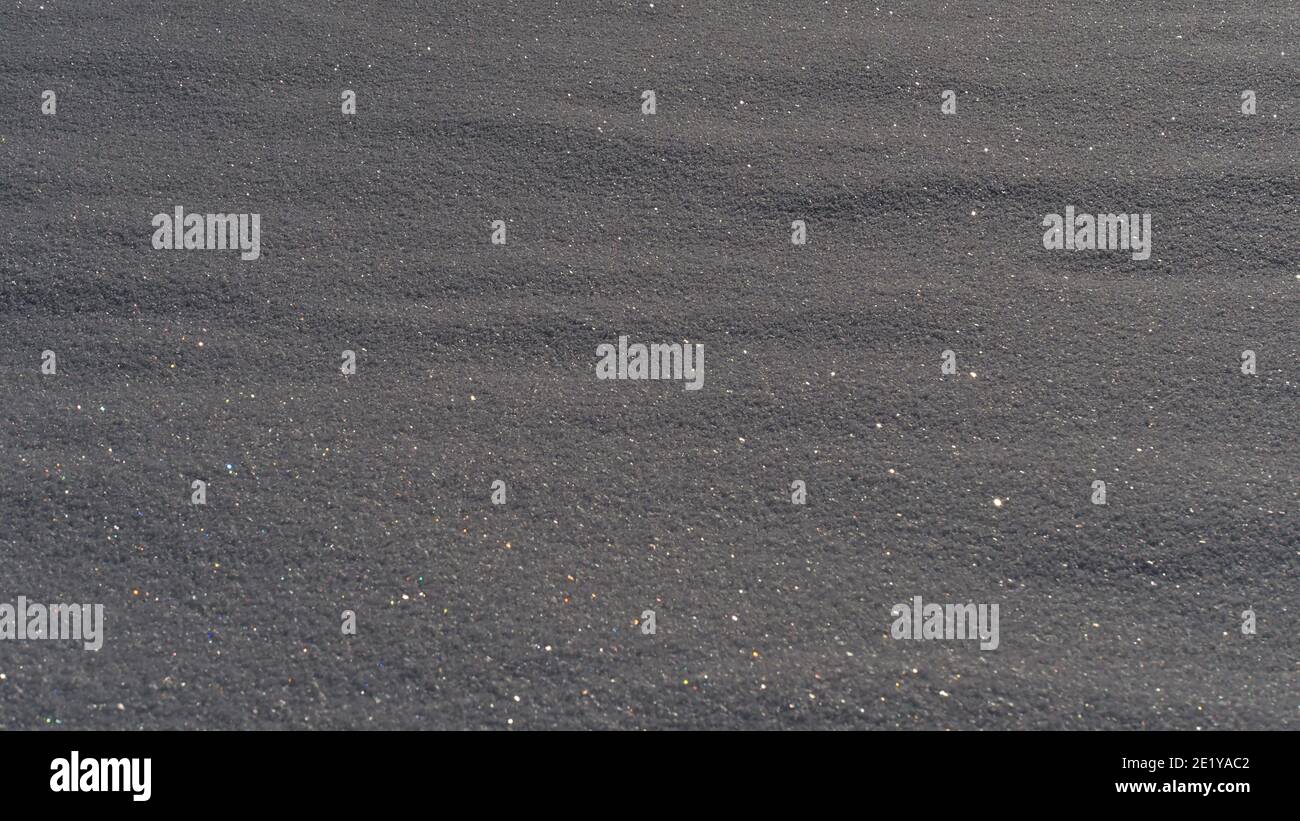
<point x="476" y="362"/>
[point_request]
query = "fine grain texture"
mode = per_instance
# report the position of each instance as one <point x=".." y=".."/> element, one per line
<point x="476" y="362"/>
